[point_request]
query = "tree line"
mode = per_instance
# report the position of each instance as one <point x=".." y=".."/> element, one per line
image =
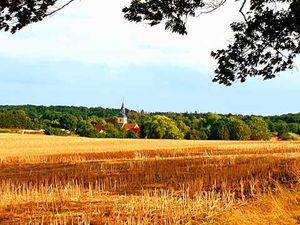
<point x="56" y="120"/>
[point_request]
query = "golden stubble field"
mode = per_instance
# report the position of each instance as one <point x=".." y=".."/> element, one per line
<point x="72" y="180"/>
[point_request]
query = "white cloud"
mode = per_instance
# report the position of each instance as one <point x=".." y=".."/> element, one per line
<point x="95" y="32"/>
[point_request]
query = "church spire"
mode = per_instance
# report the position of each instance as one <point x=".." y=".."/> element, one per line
<point x="123" y="114"/>
<point x="123" y="111"/>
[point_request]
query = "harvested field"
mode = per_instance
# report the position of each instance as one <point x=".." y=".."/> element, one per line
<point x="71" y="180"/>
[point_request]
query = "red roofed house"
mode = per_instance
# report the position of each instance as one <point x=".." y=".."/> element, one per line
<point x="132" y="127"/>
<point x="99" y="127"/>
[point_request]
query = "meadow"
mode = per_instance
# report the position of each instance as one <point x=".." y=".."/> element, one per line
<point x="72" y="180"/>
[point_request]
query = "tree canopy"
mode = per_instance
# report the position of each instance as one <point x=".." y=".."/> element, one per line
<point x="266" y="39"/>
<point x="162" y="127"/>
<point x="259" y="128"/>
<point x="71" y="120"/>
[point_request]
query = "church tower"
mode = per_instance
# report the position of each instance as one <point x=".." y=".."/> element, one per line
<point x="123" y="120"/>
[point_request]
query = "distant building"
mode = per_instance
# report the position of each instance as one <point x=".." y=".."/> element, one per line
<point x="99" y="127"/>
<point x="132" y="127"/>
<point x="122" y="121"/>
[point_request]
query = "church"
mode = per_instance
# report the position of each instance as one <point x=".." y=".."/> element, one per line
<point x="122" y="121"/>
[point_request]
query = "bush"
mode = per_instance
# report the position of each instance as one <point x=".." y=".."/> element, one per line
<point x="286" y="136"/>
<point x="85" y="129"/>
<point x="55" y="131"/>
<point x="132" y="135"/>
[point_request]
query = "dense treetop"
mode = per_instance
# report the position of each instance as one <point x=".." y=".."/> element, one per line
<point x="266" y="36"/>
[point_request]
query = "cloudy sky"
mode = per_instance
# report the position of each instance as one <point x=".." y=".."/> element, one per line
<point x="88" y="55"/>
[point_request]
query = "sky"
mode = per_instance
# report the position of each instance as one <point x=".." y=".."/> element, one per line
<point x="89" y="55"/>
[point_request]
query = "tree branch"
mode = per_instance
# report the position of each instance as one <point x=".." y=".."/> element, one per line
<point x="60" y="8"/>
<point x="212" y="7"/>
<point x="241" y="10"/>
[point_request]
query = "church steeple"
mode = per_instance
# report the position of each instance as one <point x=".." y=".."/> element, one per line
<point x="123" y="111"/>
<point x="123" y="114"/>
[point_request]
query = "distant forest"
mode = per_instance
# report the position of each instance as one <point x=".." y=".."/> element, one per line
<point x="71" y="120"/>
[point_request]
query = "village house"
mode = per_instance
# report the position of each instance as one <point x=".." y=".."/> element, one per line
<point x="99" y="127"/>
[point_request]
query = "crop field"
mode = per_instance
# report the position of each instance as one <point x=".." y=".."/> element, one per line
<point x="72" y="180"/>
